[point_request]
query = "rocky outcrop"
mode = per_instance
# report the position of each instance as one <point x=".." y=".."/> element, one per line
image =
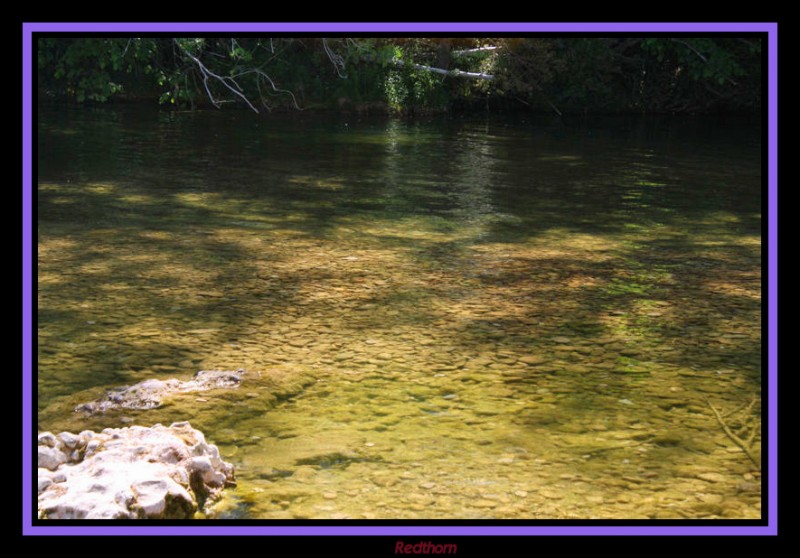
<point x="129" y="473"/>
<point x="150" y="394"/>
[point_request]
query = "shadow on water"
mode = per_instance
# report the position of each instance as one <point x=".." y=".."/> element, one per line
<point x="573" y="267"/>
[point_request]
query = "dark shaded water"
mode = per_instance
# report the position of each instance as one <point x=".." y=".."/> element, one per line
<point x="499" y="318"/>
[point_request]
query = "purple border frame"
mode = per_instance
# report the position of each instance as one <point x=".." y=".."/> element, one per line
<point x="203" y="529"/>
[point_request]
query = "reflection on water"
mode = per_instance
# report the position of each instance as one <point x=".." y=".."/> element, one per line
<point x="492" y="319"/>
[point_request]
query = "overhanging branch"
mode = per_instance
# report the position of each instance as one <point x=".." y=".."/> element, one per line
<point x="336" y="59"/>
<point x="226" y="81"/>
<point x="268" y="79"/>
<point x="451" y="73"/>
<point x="476" y="50"/>
<point x="690" y="47"/>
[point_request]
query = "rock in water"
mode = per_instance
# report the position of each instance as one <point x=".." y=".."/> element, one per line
<point x="129" y="473"/>
<point x="150" y="394"/>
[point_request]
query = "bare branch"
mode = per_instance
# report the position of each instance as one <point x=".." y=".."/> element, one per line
<point x="268" y="79"/>
<point x="336" y="59"/>
<point x="223" y="80"/>
<point x="548" y="101"/>
<point x="690" y="47"/>
<point x="261" y="96"/>
<point x="451" y="73"/>
<point x="355" y="44"/>
<point x="476" y="50"/>
<point x="468" y="75"/>
<point x="751" y="44"/>
<point x="745" y="446"/>
<point x="703" y="58"/>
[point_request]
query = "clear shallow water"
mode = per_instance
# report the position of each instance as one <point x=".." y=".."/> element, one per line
<point x="499" y="319"/>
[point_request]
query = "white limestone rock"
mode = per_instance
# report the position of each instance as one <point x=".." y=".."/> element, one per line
<point x="69" y="440"/>
<point x="48" y="440"/>
<point x="150" y="394"/>
<point x="50" y="458"/>
<point x="129" y="473"/>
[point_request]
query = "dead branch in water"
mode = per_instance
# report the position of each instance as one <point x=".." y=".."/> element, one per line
<point x="746" y="445"/>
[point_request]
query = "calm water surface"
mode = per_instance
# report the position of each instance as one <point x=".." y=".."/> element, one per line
<point x="469" y="318"/>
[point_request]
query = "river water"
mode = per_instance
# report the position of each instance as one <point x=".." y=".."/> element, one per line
<point x="444" y="319"/>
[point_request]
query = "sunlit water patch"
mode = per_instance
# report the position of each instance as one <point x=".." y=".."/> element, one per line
<point x="441" y="320"/>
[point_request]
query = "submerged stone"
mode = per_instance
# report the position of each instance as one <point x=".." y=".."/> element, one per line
<point x="151" y="394"/>
<point x="520" y="334"/>
<point x="533" y="360"/>
<point x="711" y="477"/>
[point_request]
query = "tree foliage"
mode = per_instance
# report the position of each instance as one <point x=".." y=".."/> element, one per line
<point x="561" y="74"/>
